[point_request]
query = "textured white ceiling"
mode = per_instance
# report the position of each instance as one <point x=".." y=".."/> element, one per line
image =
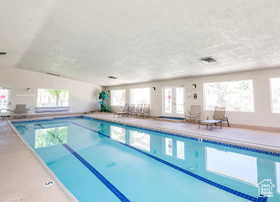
<point x="138" y="40"/>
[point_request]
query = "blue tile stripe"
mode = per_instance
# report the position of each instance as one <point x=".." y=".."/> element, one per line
<point x="44" y="120"/>
<point x="210" y="182"/>
<point x="108" y="184"/>
<point x="242" y="148"/>
<point x="261" y="199"/>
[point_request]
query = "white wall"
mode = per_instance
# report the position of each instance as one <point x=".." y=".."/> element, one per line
<point x="262" y="115"/>
<point x="83" y="96"/>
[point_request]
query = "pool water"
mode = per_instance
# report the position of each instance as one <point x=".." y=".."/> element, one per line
<point x="100" y="161"/>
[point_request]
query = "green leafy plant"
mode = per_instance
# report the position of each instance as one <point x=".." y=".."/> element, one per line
<point x="103" y="97"/>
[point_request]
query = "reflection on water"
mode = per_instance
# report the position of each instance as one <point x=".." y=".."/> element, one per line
<point x="50" y="136"/>
<point x="233" y="165"/>
<point x="278" y="176"/>
<point x="238" y="169"/>
<point x="117" y="133"/>
<point x="139" y="140"/>
<point x="180" y="150"/>
<point x="168" y="146"/>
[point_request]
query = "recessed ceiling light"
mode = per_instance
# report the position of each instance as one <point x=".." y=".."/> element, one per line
<point x="3" y="53"/>
<point x="112" y="77"/>
<point x="208" y="59"/>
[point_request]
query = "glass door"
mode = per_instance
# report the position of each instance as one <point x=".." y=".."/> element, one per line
<point x="173" y="101"/>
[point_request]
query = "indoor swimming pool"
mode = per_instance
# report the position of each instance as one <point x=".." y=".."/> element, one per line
<point x="100" y="161"/>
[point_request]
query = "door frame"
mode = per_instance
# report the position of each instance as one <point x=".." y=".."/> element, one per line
<point x="173" y="113"/>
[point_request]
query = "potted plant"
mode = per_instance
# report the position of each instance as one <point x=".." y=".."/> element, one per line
<point x="103" y="97"/>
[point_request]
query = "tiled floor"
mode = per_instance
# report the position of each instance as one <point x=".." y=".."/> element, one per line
<point x="250" y="138"/>
<point x="22" y="175"/>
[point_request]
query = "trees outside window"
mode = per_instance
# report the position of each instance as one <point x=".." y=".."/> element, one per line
<point x="52" y="98"/>
<point x="233" y="95"/>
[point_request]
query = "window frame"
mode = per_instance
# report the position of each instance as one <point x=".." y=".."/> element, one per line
<point x="173" y="101"/>
<point x="51" y="108"/>
<point x="271" y="96"/>
<point x="228" y="81"/>
<point x="115" y="105"/>
<point x="163" y="100"/>
<point x="8" y="99"/>
<point x="131" y="89"/>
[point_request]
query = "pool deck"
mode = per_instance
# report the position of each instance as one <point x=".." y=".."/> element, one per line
<point x="262" y="140"/>
<point x="22" y="175"/>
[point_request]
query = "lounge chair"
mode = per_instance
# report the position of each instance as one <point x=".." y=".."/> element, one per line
<point x="220" y="114"/>
<point x="146" y="110"/>
<point x="132" y="110"/>
<point x="20" y="111"/>
<point x="194" y="114"/>
<point x="124" y="111"/>
<point x="139" y="110"/>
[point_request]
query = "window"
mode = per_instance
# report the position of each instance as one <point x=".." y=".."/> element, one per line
<point x="140" y="96"/>
<point x="233" y="95"/>
<point x="168" y="100"/>
<point x="275" y="94"/>
<point x="52" y="98"/>
<point x="117" y="97"/>
<point x="235" y="165"/>
<point x="179" y="100"/>
<point x="173" y="100"/>
<point x="4" y="98"/>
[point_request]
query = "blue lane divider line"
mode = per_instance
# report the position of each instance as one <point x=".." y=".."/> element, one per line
<point x="219" y="186"/>
<point x="108" y="184"/>
<point x="261" y="199"/>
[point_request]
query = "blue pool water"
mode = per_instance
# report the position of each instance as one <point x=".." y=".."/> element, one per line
<point x="101" y="161"/>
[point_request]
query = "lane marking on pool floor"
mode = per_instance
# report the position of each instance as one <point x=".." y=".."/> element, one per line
<point x="210" y="182"/>
<point x="106" y="182"/>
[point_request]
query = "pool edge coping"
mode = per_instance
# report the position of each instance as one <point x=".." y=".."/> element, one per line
<point x="60" y="185"/>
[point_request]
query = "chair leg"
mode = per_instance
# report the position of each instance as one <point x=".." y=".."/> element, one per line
<point x="228" y="123"/>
